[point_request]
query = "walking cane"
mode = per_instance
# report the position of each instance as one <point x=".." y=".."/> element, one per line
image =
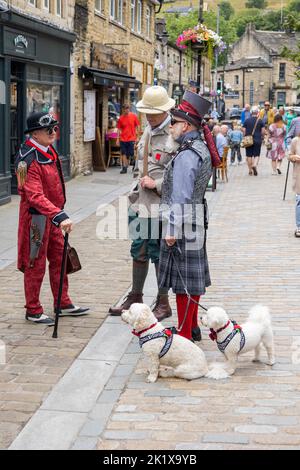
<point x="62" y="274"/>
<point x="286" y="180"/>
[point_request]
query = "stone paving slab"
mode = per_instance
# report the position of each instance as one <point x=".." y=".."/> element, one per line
<point x="254" y="258"/>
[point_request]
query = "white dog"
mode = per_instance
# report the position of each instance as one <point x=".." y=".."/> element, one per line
<point x="233" y="340"/>
<point x="169" y="355"/>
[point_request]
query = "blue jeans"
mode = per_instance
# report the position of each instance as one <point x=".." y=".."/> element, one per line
<point x="298" y="210"/>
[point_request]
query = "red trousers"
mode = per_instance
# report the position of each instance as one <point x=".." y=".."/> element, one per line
<point x="51" y="249"/>
<point x="191" y="320"/>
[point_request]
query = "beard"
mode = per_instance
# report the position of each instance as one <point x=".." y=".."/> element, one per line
<point x="171" y="144"/>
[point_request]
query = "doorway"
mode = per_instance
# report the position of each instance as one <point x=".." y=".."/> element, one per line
<point x="16" y="116"/>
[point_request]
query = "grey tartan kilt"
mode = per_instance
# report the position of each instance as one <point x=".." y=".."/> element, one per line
<point x="192" y="264"/>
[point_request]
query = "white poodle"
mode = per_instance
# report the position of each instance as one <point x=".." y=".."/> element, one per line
<point x="169" y="355"/>
<point x="233" y="339"/>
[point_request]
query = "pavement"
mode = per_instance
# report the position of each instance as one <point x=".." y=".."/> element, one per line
<point x="87" y="389"/>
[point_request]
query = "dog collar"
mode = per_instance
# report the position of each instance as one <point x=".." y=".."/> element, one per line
<point x="166" y="334"/>
<point x="236" y="329"/>
<point x="139" y="333"/>
<point x="213" y="333"/>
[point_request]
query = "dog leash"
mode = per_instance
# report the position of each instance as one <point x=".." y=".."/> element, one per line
<point x="187" y="293"/>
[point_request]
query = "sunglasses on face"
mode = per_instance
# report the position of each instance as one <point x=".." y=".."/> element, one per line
<point x="51" y="130"/>
<point x="175" y="121"/>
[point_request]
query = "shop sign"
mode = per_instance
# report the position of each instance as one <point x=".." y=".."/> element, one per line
<point x="18" y="43"/>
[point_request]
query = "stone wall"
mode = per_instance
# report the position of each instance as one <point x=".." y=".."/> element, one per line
<point x="65" y="21"/>
<point x="131" y="47"/>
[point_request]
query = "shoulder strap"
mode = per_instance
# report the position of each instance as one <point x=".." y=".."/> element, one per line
<point x="255" y="126"/>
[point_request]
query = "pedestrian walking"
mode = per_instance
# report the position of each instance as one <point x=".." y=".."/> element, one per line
<point x="294" y="130"/>
<point x="235" y="140"/>
<point x="276" y="153"/>
<point x="254" y="126"/>
<point x="267" y="114"/>
<point x="42" y="218"/>
<point x="183" y="258"/>
<point x="127" y="125"/>
<point x="154" y="152"/>
<point x="294" y="157"/>
<point x="245" y="113"/>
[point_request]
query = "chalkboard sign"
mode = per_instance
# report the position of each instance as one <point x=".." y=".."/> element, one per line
<point x="89" y="116"/>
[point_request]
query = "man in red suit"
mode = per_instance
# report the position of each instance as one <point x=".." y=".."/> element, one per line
<point x="42" y="217"/>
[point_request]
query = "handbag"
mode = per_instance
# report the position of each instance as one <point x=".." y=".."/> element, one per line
<point x="248" y="140"/>
<point x="73" y="262"/>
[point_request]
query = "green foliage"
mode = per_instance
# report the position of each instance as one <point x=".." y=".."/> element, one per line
<point x="294" y="56"/>
<point x="256" y="4"/>
<point x="226" y="10"/>
<point x="294" y="6"/>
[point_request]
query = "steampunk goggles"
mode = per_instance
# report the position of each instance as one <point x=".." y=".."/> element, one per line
<point x="46" y="120"/>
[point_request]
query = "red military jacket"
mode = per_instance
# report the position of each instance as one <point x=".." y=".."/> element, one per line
<point x="42" y="192"/>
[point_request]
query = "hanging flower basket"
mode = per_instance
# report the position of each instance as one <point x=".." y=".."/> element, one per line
<point x="200" y="37"/>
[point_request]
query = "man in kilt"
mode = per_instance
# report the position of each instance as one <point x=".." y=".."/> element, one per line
<point x="183" y="258"/>
<point x="154" y="153"/>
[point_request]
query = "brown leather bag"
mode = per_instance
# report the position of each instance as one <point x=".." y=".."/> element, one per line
<point x="73" y="263"/>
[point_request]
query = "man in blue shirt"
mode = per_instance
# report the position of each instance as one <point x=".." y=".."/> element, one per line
<point x="245" y="113"/>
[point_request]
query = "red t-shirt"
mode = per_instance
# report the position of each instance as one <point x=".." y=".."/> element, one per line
<point x="127" y="125"/>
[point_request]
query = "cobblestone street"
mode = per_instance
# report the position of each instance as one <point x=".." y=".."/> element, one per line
<point x="254" y="258"/>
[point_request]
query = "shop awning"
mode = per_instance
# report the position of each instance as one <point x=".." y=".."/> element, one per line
<point x="108" y="78"/>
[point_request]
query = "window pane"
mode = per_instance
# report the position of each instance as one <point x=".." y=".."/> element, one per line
<point x="98" y="5"/>
<point x="45" y="98"/>
<point x="139" y="16"/>
<point x="132" y="6"/>
<point x="58" y="7"/>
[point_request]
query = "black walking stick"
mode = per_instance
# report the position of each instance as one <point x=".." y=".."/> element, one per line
<point x="62" y="274"/>
<point x="286" y="179"/>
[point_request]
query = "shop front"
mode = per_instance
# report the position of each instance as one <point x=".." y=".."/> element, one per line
<point x="112" y="90"/>
<point x="36" y="78"/>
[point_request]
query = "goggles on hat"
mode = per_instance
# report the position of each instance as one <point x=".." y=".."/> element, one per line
<point x="174" y="121"/>
<point x="46" y="120"/>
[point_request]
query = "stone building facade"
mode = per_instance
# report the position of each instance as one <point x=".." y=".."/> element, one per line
<point x="113" y="60"/>
<point x="256" y="71"/>
<point x="35" y="51"/>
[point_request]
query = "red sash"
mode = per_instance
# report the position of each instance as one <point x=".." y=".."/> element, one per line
<point x="52" y="156"/>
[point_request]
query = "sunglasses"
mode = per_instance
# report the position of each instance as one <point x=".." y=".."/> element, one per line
<point x="175" y="121"/>
<point x="51" y="130"/>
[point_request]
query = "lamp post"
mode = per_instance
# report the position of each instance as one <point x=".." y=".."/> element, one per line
<point x="200" y="20"/>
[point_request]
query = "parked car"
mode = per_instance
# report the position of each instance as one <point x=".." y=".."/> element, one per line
<point x="235" y="113"/>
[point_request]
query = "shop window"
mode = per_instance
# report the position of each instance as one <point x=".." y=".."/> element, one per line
<point x="98" y="6"/>
<point x="116" y="10"/>
<point x="45" y="98"/>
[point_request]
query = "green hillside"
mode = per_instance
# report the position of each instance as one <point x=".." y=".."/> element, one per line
<point x="212" y="4"/>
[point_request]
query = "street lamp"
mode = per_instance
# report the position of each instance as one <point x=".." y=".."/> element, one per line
<point x="160" y="5"/>
<point x="245" y="69"/>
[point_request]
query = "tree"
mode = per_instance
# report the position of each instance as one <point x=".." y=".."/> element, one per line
<point x="294" y="6"/>
<point x="261" y="4"/>
<point x="226" y="10"/>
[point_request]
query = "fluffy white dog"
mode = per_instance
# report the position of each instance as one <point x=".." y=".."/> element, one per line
<point x="169" y="355"/>
<point x="233" y="339"/>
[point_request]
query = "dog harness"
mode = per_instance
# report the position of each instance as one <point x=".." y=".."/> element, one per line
<point x="236" y="329"/>
<point x="166" y="333"/>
